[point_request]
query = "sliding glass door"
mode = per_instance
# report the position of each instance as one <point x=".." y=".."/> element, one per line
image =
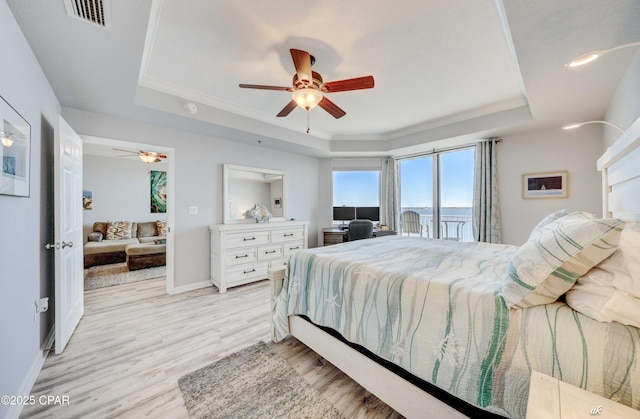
<point x="439" y="188"/>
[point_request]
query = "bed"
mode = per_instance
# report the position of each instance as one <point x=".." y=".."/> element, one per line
<point x="445" y="329"/>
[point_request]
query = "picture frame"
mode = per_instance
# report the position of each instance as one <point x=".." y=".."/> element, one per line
<point x="545" y="185"/>
<point x="15" y="152"/>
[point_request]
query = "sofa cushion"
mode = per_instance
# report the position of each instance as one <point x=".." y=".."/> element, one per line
<point x="150" y="240"/>
<point x="108" y="246"/>
<point x="147" y="229"/>
<point x="145" y="249"/>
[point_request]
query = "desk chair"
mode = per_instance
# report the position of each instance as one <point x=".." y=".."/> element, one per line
<point x="360" y="229"/>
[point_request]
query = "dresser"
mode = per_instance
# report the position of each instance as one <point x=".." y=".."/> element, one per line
<point x="243" y="253"/>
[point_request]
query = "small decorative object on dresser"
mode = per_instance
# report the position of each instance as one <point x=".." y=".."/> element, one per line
<point x="242" y="253"/>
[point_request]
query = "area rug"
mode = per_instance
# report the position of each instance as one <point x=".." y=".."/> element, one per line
<point x="253" y="383"/>
<point x="117" y="273"/>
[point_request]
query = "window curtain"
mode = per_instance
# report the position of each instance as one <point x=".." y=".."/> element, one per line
<point x="486" y="205"/>
<point x="392" y="198"/>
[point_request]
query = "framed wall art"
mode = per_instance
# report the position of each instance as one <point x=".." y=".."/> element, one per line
<point x="15" y="152"/>
<point x="158" y="191"/>
<point x="545" y="185"/>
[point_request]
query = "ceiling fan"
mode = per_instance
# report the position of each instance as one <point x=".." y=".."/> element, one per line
<point x="145" y="156"/>
<point x="309" y="89"/>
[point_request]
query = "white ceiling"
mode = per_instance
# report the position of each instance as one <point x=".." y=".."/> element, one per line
<point x="444" y="70"/>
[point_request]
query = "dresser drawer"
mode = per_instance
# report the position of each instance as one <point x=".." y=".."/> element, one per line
<point x="242" y="274"/>
<point x="278" y="263"/>
<point x="282" y="235"/>
<point x="241" y="255"/>
<point x="247" y="239"/>
<point x="291" y="248"/>
<point x="270" y="252"/>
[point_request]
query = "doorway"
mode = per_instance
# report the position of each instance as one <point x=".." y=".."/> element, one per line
<point x="99" y="146"/>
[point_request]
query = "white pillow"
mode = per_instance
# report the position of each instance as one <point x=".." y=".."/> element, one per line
<point x="611" y="291"/>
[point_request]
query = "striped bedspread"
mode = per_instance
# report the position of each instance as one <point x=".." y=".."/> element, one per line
<point x="434" y="308"/>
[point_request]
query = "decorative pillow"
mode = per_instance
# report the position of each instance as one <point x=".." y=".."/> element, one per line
<point x="161" y="227"/>
<point x="548" y="219"/>
<point x="95" y="237"/>
<point x="119" y="230"/>
<point x="611" y="291"/>
<point x="147" y="229"/>
<point x="556" y="255"/>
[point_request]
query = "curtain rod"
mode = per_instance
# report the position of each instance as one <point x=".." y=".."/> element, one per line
<point x="444" y="150"/>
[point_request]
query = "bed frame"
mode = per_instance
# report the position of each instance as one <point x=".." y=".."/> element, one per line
<point x="620" y="167"/>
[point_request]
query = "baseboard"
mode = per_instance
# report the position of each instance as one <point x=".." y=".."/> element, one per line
<point x="191" y="287"/>
<point x="48" y="342"/>
<point x="27" y="384"/>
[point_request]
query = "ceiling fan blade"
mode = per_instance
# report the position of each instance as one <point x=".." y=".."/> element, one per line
<point x="302" y="62"/>
<point x="125" y="151"/>
<point x="263" y="87"/>
<point x="287" y="109"/>
<point x="358" y="83"/>
<point x="332" y="108"/>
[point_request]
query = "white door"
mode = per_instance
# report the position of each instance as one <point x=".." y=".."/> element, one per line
<point x="69" y="294"/>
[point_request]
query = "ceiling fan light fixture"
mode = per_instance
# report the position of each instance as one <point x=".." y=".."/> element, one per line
<point x="6" y="139"/>
<point x="307" y="98"/>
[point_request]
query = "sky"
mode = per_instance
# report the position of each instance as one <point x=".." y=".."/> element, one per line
<point x="456" y="168"/>
<point x="456" y="175"/>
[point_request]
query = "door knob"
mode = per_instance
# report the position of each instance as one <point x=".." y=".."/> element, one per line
<point x="65" y="244"/>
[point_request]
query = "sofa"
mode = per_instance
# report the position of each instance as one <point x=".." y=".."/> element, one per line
<point x="140" y="244"/>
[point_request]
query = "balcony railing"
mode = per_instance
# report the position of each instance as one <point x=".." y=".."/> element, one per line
<point x="452" y="227"/>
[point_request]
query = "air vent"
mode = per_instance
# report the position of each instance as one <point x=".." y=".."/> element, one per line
<point x="96" y="12"/>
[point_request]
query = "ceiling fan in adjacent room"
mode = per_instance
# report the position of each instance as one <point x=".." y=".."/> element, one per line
<point x="309" y="89"/>
<point x="145" y="156"/>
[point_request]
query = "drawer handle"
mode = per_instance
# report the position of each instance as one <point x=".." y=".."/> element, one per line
<point x="269" y="251"/>
<point x="249" y="271"/>
<point x="241" y="256"/>
<point x="294" y="248"/>
<point x="252" y="238"/>
<point x="288" y="235"/>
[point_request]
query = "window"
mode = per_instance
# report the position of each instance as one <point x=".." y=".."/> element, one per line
<point x="446" y="179"/>
<point x="359" y="189"/>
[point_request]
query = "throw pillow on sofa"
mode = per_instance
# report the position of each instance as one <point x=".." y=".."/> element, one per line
<point x="161" y="226"/>
<point x="95" y="237"/>
<point x="119" y="230"/>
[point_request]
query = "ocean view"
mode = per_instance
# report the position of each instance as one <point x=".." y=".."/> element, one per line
<point x="445" y="211"/>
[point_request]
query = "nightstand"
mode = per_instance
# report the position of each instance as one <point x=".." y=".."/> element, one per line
<point x="551" y="398"/>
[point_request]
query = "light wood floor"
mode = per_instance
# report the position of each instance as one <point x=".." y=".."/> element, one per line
<point x="135" y="341"/>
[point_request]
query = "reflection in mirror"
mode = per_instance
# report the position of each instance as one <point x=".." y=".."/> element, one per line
<point x="244" y="187"/>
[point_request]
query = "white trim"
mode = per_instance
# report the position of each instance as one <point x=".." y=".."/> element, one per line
<point x="27" y="384"/>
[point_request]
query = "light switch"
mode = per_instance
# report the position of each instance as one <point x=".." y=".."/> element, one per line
<point x="193" y="210"/>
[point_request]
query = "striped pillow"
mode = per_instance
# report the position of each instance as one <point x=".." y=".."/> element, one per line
<point x="161" y="228"/>
<point x="556" y="255"/>
<point x="119" y="230"/>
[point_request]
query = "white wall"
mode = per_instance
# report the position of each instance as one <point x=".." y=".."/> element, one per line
<point x="624" y="108"/>
<point x="25" y="223"/>
<point x="198" y="181"/>
<point x="120" y="188"/>
<point x="575" y="151"/>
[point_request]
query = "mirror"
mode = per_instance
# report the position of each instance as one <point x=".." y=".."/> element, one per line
<point x="243" y="187"/>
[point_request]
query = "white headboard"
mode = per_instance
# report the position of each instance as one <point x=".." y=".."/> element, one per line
<point x="620" y="167"/>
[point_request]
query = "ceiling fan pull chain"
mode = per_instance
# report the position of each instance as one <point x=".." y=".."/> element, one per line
<point x="308" y="121"/>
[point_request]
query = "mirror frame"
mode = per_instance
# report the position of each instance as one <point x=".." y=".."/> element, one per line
<point x="225" y="192"/>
